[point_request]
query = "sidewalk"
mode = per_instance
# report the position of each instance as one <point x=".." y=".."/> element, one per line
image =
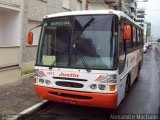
<point x="16" y="97"/>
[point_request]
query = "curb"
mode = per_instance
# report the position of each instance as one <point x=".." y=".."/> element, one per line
<point x="27" y="76"/>
<point x="24" y="114"/>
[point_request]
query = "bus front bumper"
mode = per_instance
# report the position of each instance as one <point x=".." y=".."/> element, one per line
<point x="78" y="98"/>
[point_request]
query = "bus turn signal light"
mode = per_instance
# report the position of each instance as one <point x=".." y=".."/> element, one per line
<point x="112" y="87"/>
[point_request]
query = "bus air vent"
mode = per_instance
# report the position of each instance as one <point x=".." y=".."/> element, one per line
<point x="69" y="84"/>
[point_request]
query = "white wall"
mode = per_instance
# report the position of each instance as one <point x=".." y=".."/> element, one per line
<point x="1" y="29"/>
<point x="11" y="28"/>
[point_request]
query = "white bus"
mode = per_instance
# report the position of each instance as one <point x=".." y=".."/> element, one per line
<point x="88" y="58"/>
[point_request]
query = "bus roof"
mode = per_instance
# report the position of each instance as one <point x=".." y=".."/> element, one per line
<point x="92" y="12"/>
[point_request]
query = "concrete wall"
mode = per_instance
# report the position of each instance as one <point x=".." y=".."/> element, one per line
<point x="98" y="6"/>
<point x="41" y="8"/>
<point x="36" y="32"/>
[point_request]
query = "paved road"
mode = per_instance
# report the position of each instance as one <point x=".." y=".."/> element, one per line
<point x="142" y="99"/>
<point x="17" y="96"/>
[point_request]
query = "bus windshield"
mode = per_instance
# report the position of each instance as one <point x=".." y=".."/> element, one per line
<point x="78" y="41"/>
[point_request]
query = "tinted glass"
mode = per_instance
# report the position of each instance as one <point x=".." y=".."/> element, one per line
<point x="65" y="41"/>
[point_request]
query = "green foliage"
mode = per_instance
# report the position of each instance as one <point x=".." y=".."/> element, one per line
<point x="27" y="71"/>
<point x="158" y="40"/>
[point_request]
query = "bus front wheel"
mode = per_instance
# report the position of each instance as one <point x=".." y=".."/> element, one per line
<point x="127" y="87"/>
<point x="139" y="67"/>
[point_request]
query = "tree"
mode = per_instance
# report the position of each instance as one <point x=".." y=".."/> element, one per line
<point x="158" y="40"/>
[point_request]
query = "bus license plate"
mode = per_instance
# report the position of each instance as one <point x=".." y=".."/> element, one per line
<point x="69" y="101"/>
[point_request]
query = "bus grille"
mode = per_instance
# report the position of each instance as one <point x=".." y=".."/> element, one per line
<point x="69" y="84"/>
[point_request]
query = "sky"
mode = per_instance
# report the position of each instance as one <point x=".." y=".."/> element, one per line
<point x="152" y="15"/>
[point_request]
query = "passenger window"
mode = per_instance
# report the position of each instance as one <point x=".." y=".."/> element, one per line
<point x="134" y="37"/>
<point x="121" y="40"/>
<point x="138" y="37"/>
<point x="128" y="44"/>
<point x="141" y="37"/>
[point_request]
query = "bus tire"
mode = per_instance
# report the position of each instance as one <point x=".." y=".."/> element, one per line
<point x="127" y="86"/>
<point x="139" y="67"/>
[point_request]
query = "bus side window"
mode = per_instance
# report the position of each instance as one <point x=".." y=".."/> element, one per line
<point x="134" y="37"/>
<point x="121" y="40"/>
<point x="141" y="37"/>
<point x="121" y="48"/>
<point x="128" y="44"/>
<point x="138" y="37"/>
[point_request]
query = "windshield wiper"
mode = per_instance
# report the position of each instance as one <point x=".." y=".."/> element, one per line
<point x="52" y="65"/>
<point x="85" y="64"/>
<point x="77" y="44"/>
<point x="85" y="26"/>
<point x="82" y="59"/>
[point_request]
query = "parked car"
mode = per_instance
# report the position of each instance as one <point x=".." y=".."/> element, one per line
<point x="149" y="44"/>
<point x="144" y="48"/>
<point x="146" y="45"/>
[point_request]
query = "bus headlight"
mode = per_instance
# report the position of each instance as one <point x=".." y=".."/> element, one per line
<point x="102" y="87"/>
<point x="47" y="82"/>
<point x="93" y="86"/>
<point x="41" y="81"/>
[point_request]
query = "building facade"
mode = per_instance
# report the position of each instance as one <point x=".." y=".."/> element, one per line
<point x="146" y="25"/>
<point x="141" y="21"/>
<point x="148" y="32"/>
<point x="132" y="9"/>
<point x="10" y="40"/>
<point x="100" y="4"/>
<point x="140" y="16"/>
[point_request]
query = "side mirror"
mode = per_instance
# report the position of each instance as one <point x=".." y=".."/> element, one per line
<point x="127" y="32"/>
<point x="30" y="35"/>
<point x="30" y="38"/>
